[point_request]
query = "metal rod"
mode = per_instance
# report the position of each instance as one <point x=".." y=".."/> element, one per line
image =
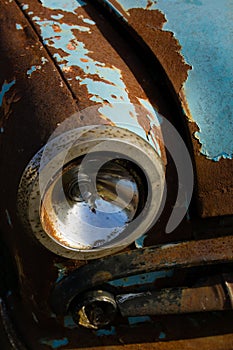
<point x="173" y="301"/>
<point x="180" y="255"/>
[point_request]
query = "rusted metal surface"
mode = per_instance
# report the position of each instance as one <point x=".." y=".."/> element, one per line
<point x="189" y="68"/>
<point x="194" y="253"/>
<point x="173" y="301"/>
<point x="36" y="96"/>
<point x="39" y="91"/>
<point x="73" y="35"/>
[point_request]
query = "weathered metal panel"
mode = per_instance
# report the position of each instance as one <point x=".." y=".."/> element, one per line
<point x="193" y="42"/>
<point x="67" y="32"/>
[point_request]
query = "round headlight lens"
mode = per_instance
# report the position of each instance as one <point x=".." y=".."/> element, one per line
<point x="83" y="212"/>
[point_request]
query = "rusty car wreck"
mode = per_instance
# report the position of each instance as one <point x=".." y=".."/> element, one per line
<point x="116" y="170"/>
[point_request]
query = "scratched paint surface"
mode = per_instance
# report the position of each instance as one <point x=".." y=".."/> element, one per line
<point x="104" y="83"/>
<point x="204" y="30"/>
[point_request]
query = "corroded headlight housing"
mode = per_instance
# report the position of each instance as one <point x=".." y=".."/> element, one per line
<point x="91" y="191"/>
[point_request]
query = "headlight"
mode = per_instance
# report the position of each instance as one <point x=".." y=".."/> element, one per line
<point x="91" y="191"/>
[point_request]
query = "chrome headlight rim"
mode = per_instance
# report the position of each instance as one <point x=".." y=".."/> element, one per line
<point x="31" y="188"/>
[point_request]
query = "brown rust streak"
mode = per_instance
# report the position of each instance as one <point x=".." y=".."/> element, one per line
<point x="149" y="24"/>
<point x="214" y="182"/>
<point x="188" y="254"/>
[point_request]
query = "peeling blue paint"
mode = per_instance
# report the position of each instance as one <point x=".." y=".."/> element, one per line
<point x="204" y="30"/>
<point x="25" y="6"/>
<point x="35" y="18"/>
<point x="5" y="88"/>
<point x="18" y="26"/>
<point x="102" y="332"/>
<point x="64" y="5"/>
<point x="62" y="271"/>
<point x="108" y="87"/>
<point x="88" y="21"/>
<point x="139" y="243"/>
<point x="55" y="343"/>
<point x="142" y="279"/>
<point x="59" y="16"/>
<point x="139" y="319"/>
<point x="117" y="110"/>
<point x="162" y="335"/>
<point x="33" y="69"/>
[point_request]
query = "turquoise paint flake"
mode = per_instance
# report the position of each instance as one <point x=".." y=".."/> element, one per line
<point x="18" y="26"/>
<point x="62" y="271"/>
<point x="88" y="21"/>
<point x="139" y="243"/>
<point x="64" y="5"/>
<point x="155" y="120"/>
<point x="102" y="332"/>
<point x="33" y="69"/>
<point x="59" y="16"/>
<point x="25" y="7"/>
<point x="115" y="111"/>
<point x="162" y="335"/>
<point x="5" y="88"/>
<point x="204" y="30"/>
<point x="142" y="279"/>
<point x="138" y="319"/>
<point x="55" y="343"/>
<point x="108" y="88"/>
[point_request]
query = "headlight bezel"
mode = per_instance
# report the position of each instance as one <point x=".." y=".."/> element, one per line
<point x="76" y="143"/>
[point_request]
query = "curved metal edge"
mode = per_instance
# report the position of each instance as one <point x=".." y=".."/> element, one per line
<point x="8" y="334"/>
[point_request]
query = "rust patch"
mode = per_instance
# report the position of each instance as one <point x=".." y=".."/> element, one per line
<point x="149" y="24"/>
<point x="56" y="28"/>
<point x="214" y="182"/>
